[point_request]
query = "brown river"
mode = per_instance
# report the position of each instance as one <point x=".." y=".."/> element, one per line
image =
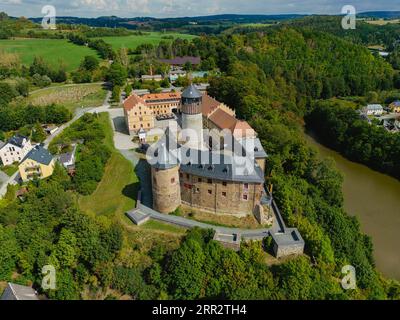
<point x="375" y="199"/>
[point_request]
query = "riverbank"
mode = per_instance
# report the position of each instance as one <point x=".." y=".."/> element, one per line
<point x="375" y="199"/>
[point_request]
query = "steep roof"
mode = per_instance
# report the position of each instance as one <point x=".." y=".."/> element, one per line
<point x="17" y="140"/>
<point x="66" y="157"/>
<point x="18" y="292"/>
<point x="40" y="155"/>
<point x="132" y="101"/>
<point x="222" y="119"/>
<point x="242" y="128"/>
<point x="165" y="151"/>
<point x="396" y="103"/>
<point x="204" y="164"/>
<point x="191" y="92"/>
<point x="209" y="105"/>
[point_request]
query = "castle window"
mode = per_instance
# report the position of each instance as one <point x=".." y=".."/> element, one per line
<point x="224" y="183"/>
<point x="209" y="181"/>
<point x="245" y="197"/>
<point x="187" y="176"/>
<point x="246" y="186"/>
<point x="173" y="180"/>
<point x="209" y="191"/>
<point x="200" y="180"/>
<point x="224" y="194"/>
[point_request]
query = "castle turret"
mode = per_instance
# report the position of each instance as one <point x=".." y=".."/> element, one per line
<point x="192" y="117"/>
<point x="165" y="177"/>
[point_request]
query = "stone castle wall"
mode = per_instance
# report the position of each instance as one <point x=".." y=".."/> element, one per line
<point x="166" y="190"/>
<point x="219" y="197"/>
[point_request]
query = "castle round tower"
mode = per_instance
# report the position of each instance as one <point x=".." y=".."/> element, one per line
<point x="165" y="180"/>
<point x="192" y="117"/>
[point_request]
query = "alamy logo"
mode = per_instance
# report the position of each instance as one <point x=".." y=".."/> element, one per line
<point x="349" y="280"/>
<point x="49" y="20"/>
<point x="49" y="279"/>
<point x="349" y="20"/>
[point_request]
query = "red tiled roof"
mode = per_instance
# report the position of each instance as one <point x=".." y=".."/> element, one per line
<point x="132" y="101"/>
<point x="161" y="96"/>
<point x="222" y="119"/>
<point x="242" y="129"/>
<point x="209" y="105"/>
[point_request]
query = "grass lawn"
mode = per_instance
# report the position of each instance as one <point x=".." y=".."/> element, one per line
<point x="70" y="96"/>
<point x="9" y="170"/>
<point x="133" y="41"/>
<point x="116" y="192"/>
<point x="157" y="225"/>
<point x="54" y="51"/>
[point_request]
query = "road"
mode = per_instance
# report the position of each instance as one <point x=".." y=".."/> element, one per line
<point x="14" y="179"/>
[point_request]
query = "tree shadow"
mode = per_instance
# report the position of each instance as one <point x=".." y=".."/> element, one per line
<point x="120" y="125"/>
<point x="131" y="190"/>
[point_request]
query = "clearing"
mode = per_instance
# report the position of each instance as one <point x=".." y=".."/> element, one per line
<point x="53" y="51"/>
<point x="70" y="96"/>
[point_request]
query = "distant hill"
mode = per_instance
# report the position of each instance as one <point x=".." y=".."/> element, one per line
<point x="380" y="14"/>
<point x="201" y="24"/>
<point x="143" y="22"/>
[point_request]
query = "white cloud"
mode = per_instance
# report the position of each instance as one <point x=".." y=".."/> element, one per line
<point x="175" y="8"/>
<point x="138" y="6"/>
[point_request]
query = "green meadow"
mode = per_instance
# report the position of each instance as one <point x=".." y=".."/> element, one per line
<point x="54" y="51"/>
<point x="134" y="41"/>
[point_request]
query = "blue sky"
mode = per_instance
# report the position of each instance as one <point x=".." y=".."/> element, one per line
<point x="177" y="8"/>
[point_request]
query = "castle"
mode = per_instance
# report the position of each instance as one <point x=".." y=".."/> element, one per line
<point x="201" y="171"/>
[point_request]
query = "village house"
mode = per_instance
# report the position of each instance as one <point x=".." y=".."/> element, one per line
<point x="15" y="149"/>
<point x="175" y="74"/>
<point x="395" y="106"/>
<point x="148" y="77"/>
<point x="67" y="160"/>
<point x="373" y="110"/>
<point x="38" y="163"/>
<point x="18" y="292"/>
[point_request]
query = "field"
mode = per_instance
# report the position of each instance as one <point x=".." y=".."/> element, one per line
<point x="382" y="22"/>
<point x="70" y="96"/>
<point x="53" y="51"/>
<point x="133" y="41"/>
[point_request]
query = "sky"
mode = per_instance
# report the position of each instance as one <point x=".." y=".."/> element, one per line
<point x="180" y="8"/>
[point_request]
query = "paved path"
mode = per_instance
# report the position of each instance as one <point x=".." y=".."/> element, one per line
<point x="189" y="223"/>
<point x="14" y="179"/>
<point x="11" y="180"/>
